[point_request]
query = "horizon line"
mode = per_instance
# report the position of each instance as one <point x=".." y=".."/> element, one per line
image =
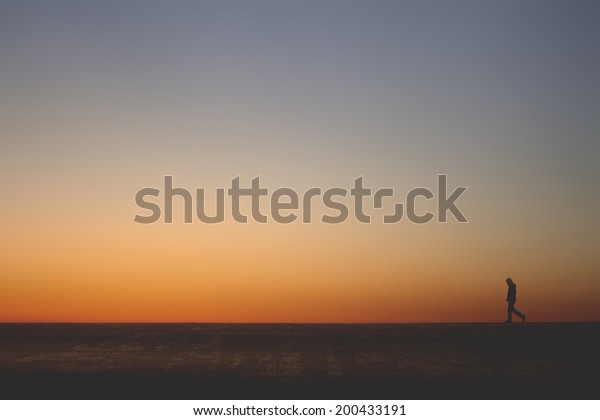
<point x="292" y="323"/>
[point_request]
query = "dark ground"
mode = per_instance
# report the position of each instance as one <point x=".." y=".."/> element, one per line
<point x="295" y="361"/>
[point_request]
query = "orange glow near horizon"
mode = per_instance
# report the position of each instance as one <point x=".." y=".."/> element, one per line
<point x="348" y="273"/>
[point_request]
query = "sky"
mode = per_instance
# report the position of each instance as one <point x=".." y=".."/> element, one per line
<point x="101" y="99"/>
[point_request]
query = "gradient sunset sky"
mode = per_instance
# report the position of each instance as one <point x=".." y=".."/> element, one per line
<point x="100" y="99"/>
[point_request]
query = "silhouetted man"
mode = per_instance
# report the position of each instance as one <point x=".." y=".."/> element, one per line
<point x="511" y="298"/>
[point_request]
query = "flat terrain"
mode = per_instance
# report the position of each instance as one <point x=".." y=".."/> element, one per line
<point x="296" y="361"/>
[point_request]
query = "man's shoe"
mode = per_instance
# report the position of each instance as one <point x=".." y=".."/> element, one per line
<point x="524" y="318"/>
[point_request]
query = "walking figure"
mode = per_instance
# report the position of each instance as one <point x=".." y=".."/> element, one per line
<point x="511" y="298"/>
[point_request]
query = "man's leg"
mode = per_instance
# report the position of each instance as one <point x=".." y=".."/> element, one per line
<point x="519" y="314"/>
<point x="510" y="311"/>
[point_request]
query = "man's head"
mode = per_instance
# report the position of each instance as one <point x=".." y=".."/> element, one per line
<point x="509" y="281"/>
